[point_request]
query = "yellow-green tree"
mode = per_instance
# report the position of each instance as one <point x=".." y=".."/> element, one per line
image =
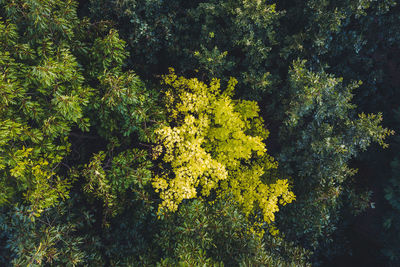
<point x="216" y="144"/>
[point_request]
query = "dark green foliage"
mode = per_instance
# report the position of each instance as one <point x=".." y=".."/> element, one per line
<point x="363" y="44"/>
<point x="198" y="234"/>
<point x="320" y="135"/>
<point x="114" y="181"/>
<point x="72" y="235"/>
<point x="219" y="39"/>
<point x="48" y="240"/>
<point x="391" y="222"/>
<point x="391" y="225"/>
<point x="218" y="235"/>
<point x="147" y="26"/>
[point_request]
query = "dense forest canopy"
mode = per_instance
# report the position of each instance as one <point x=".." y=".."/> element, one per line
<point x="199" y="133"/>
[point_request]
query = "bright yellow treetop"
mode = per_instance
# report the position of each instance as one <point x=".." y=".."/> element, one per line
<point x="215" y="143"/>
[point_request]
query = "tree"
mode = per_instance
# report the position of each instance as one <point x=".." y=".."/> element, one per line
<point x="391" y="237"/>
<point x="43" y="98"/>
<point x="64" y="98"/>
<point x="355" y="40"/>
<point x="218" y="235"/>
<point x="219" y="39"/>
<point x="320" y="135"/>
<point x="53" y="81"/>
<point x="84" y="142"/>
<point x="214" y="143"/>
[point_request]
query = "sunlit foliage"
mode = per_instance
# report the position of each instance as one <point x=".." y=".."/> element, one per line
<point x="215" y="143"/>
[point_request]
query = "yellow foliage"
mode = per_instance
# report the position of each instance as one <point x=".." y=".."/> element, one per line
<point x="215" y="143"/>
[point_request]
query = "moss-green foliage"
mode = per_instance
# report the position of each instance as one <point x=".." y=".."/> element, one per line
<point x="43" y="98"/>
<point x="64" y="98"/>
<point x="47" y="93"/>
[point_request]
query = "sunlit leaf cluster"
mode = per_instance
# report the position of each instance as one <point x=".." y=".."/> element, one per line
<point x="216" y="144"/>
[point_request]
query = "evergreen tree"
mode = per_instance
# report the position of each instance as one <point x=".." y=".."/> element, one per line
<point x="321" y="133"/>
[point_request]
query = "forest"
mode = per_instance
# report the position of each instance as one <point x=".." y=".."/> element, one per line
<point x="199" y="133"/>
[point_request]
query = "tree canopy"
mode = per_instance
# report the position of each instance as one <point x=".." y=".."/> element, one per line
<point x="199" y="133"/>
